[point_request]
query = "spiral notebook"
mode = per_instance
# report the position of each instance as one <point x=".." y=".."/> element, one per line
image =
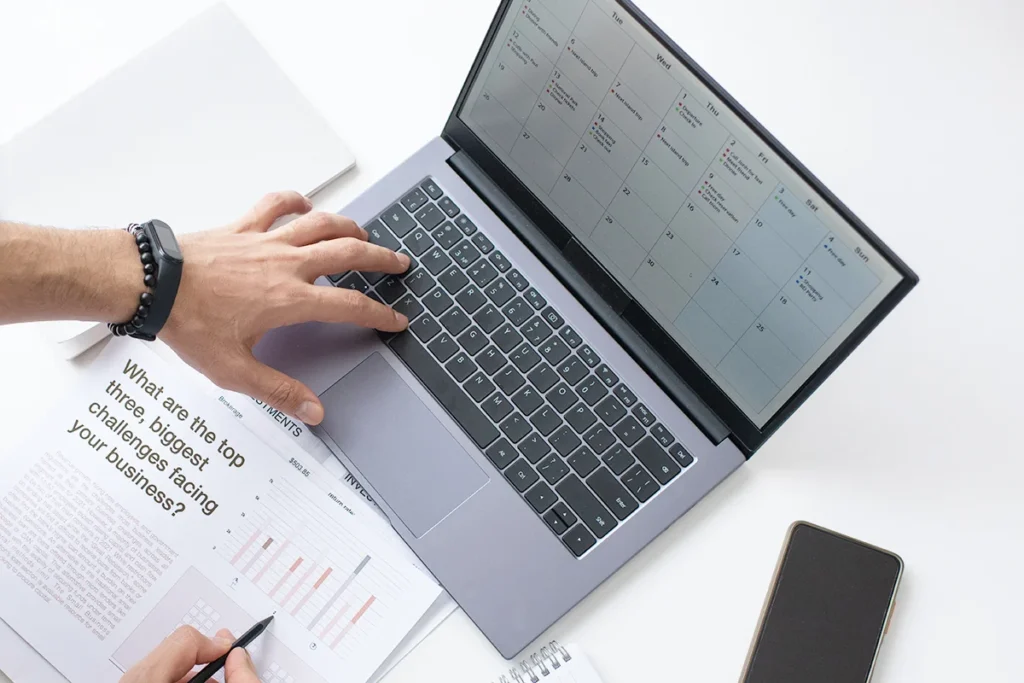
<point x="553" y="663"/>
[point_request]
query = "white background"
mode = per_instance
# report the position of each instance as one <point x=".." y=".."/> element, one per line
<point x="911" y="111"/>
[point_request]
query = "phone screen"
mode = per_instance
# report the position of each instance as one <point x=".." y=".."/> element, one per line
<point x="827" y="612"/>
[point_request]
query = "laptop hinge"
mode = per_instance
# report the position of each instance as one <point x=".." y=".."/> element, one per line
<point x="555" y="259"/>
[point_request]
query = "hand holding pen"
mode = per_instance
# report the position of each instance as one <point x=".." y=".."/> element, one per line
<point x="179" y="653"/>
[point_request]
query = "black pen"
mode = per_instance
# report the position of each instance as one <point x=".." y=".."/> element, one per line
<point x="216" y="665"/>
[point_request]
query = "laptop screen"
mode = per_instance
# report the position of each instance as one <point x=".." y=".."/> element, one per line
<point x="752" y="273"/>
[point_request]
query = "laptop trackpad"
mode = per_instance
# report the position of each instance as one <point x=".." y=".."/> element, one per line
<point x="398" y="445"/>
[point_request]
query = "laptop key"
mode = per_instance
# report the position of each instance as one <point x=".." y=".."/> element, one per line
<point x="682" y="457"/>
<point x="534" y="447"/>
<point x="561" y="397"/>
<point x="418" y="241"/>
<point x="517" y="280"/>
<point x="515" y="427"/>
<point x="656" y="460"/>
<point x="501" y="454"/>
<point x="465" y="254"/>
<point x="625" y="395"/>
<point x="497" y="407"/>
<point x="572" y="371"/>
<point x="373" y="278"/>
<point x="448" y="206"/>
<point x="482" y="273"/>
<point x="507" y="338"/>
<point x="453" y="280"/>
<point x="499" y="292"/>
<point x="458" y="404"/>
<point x="430" y="217"/>
<point x="408" y="306"/>
<point x="581" y="418"/>
<point x="599" y="438"/>
<point x="438" y="301"/>
<point x="425" y="328"/>
<point x="431" y="188"/>
<point x="521" y="475"/>
<point x="644" y="415"/>
<point x="491" y="360"/>
<point x="640" y="483"/>
<point x="461" y="366"/>
<point x="565" y="441"/>
<point x="585" y="504"/>
<point x="610" y="411"/>
<point x="395" y="218"/>
<point x="489" y="318"/>
<point x="570" y="337"/>
<point x="528" y="400"/>
<point x="355" y="282"/>
<point x="455" y="321"/>
<point x="541" y="497"/>
<point x="553" y="468"/>
<point x="479" y="387"/>
<point x="583" y="461"/>
<point x="447" y="235"/>
<point x="605" y="374"/>
<point x="555" y="523"/>
<point x="553" y="318"/>
<point x="629" y="431"/>
<point x="473" y="340"/>
<point x="471" y="299"/>
<point x="414" y="200"/>
<point x="420" y="282"/>
<point x="509" y="380"/>
<point x="336" y="278"/>
<point x="618" y="459"/>
<point x="590" y="390"/>
<point x="465" y="225"/>
<point x="614" y="496"/>
<point x="525" y="358"/>
<point x="517" y="311"/>
<point x="579" y="540"/>
<point x="543" y="378"/>
<point x="537" y="331"/>
<point x="546" y="420"/>
<point x="373" y="295"/>
<point x="381" y="236"/>
<point x="499" y="261"/>
<point x="443" y="347"/>
<point x="589" y="357"/>
<point x="536" y="300"/>
<point x="663" y="436"/>
<point x="391" y="289"/>
<point x="436" y="260"/>
<point x="482" y="243"/>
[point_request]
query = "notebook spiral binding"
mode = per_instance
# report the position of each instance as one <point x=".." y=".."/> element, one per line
<point x="538" y="665"/>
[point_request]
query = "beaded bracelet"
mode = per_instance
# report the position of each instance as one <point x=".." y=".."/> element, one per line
<point x="146" y="299"/>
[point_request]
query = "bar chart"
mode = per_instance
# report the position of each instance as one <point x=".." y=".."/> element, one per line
<point x="313" y="568"/>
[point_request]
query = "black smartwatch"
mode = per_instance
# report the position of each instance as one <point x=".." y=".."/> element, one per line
<point x="162" y="262"/>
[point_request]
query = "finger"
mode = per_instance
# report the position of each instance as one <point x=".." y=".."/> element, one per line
<point x="239" y="668"/>
<point x="224" y="633"/>
<point x="339" y="305"/>
<point x="178" y="653"/>
<point x="339" y="256"/>
<point x="273" y="206"/>
<point x="280" y="391"/>
<point x="319" y="226"/>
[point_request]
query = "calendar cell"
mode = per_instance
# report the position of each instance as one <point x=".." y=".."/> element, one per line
<point x="618" y="150"/>
<point x="844" y="270"/>
<point x="794" y="222"/>
<point x="770" y="354"/>
<point x="749" y="380"/>
<point x="724" y="307"/>
<point x="587" y="166"/>
<point x="536" y="162"/>
<point x="527" y="61"/>
<point x="650" y="80"/>
<point x="745" y="279"/>
<point x="569" y="102"/>
<point x="656" y="189"/>
<point x="619" y="245"/>
<point x="556" y="137"/>
<point x="704" y="333"/>
<point x="663" y="291"/>
<point x="681" y="262"/>
<point x="701" y="234"/>
<point x="676" y="159"/>
<point x="697" y="127"/>
<point x="769" y="251"/>
<point x="542" y="27"/>
<point x="723" y="204"/>
<point x="636" y="217"/>
<point x="573" y="198"/>
<point x="625" y="108"/>
<point x="823" y="306"/>
<point x="793" y="328"/>
<point x="495" y="120"/>
<point x="510" y="90"/>
<point x="585" y="69"/>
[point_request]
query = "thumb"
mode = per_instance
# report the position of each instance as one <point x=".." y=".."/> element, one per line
<point x="239" y="668"/>
<point x="280" y="391"/>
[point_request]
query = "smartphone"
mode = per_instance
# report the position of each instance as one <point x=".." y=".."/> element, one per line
<point x="827" y="610"/>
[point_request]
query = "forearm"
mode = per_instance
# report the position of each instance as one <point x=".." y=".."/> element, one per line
<point x="50" y="274"/>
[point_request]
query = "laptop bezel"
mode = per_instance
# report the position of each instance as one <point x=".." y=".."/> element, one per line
<point x="747" y="436"/>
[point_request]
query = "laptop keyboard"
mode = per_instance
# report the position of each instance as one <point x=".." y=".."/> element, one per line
<point x="548" y="412"/>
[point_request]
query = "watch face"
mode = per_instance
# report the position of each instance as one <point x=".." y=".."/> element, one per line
<point x="166" y="240"/>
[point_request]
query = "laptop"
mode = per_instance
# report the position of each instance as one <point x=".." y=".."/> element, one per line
<point x="621" y="287"/>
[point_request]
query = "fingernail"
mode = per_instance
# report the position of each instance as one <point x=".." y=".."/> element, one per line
<point x="310" y="413"/>
<point x="222" y="642"/>
<point x="404" y="260"/>
<point x="309" y="203"/>
<point x="401" y="319"/>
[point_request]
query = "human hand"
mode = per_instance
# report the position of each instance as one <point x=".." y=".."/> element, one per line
<point x="241" y="281"/>
<point x="173" y="660"/>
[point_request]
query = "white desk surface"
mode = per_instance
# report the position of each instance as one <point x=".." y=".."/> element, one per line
<point x="910" y="111"/>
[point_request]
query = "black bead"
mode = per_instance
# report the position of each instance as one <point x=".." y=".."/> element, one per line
<point x="138" y="322"/>
<point x="141" y="237"/>
<point x="145" y="247"/>
<point x="148" y="268"/>
<point x="146" y="257"/>
<point x="119" y="330"/>
<point x="150" y="281"/>
<point x="146" y="299"/>
<point x="142" y="312"/>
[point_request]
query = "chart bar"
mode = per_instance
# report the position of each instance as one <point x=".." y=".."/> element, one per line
<point x="337" y="593"/>
<point x="258" y="555"/>
<point x="298" y="583"/>
<point x="309" y="593"/>
<point x="355" y="618"/>
<point x="246" y="546"/>
<point x="277" y="586"/>
<point x="334" y="620"/>
<point x="271" y="562"/>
